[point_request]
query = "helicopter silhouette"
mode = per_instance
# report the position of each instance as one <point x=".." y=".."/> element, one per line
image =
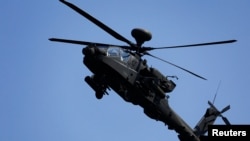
<point x="121" y="68"/>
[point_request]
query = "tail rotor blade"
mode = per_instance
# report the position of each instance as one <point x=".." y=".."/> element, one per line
<point x="225" y="109"/>
<point x="225" y="120"/>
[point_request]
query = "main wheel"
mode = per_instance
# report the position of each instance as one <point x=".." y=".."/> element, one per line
<point x="99" y="94"/>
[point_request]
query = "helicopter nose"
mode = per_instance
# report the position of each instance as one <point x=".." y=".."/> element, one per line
<point x="88" y="51"/>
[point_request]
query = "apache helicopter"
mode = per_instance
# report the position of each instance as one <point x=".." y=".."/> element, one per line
<point x="122" y="69"/>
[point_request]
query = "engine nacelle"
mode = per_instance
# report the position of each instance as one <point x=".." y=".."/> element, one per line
<point x="165" y="84"/>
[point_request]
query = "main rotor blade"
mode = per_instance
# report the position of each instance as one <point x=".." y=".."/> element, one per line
<point x="175" y="65"/>
<point x="98" y="23"/>
<point x="191" y="45"/>
<point x="84" y="42"/>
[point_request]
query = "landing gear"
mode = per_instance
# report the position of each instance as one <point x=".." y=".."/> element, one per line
<point x="99" y="94"/>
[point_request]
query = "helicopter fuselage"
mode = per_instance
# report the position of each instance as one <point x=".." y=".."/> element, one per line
<point x="131" y="78"/>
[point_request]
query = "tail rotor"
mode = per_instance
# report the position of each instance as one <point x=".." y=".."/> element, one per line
<point x="219" y="113"/>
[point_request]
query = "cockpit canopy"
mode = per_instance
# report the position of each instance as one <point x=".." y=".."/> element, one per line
<point x="117" y="53"/>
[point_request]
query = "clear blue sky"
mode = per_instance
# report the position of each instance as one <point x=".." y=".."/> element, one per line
<point x="43" y="96"/>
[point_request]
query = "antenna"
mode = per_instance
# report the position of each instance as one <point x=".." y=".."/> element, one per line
<point x="216" y="91"/>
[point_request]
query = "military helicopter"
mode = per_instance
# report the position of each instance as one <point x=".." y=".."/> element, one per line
<point x="122" y="69"/>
